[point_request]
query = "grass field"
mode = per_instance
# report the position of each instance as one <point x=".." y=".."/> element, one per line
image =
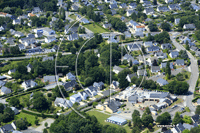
<point x="102" y="117"/>
<point x="72" y="16"/>
<point x="95" y="28"/>
<point x="30" y="118"/>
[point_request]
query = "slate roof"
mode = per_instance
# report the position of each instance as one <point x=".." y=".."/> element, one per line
<point x="198" y="101"/>
<point x="7" y="128"/>
<point x="166" y="46"/>
<point x="153" y="48"/>
<point x="63" y="101"/>
<point x="155" y="68"/>
<point x="50" y="78"/>
<point x="133" y="99"/>
<point x="174" y="7"/>
<point x="189" y="26"/>
<point x="73" y="36"/>
<point x="114" y="105"/>
<point x="5" y="90"/>
<point x="163" y="8"/>
<point x="180" y="61"/>
<point x="2" y="77"/>
<point x="174" y="53"/>
<point x="2" y="83"/>
<point x="47" y="58"/>
<point x="69" y="85"/>
<point x="196" y="118"/>
<point x="159" y="95"/>
<point x="98" y="84"/>
<point x="162" y="81"/>
<point x="117" y="68"/>
<point x="29" y="65"/>
<point x="30" y="83"/>
<point x="113" y="6"/>
<point x="115" y="83"/>
<point x="180" y="127"/>
<point x="15" y="110"/>
<point x="71" y="76"/>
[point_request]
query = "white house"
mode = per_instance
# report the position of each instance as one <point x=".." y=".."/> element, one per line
<point x="92" y="91"/>
<point x="83" y="95"/>
<point x="169" y="1"/>
<point x="50" y="39"/>
<point x="140" y="28"/>
<point x="76" y="98"/>
<point x="117" y="69"/>
<point x="70" y="76"/>
<point x="29" y="84"/>
<point x="16" y="21"/>
<point x="11" y="71"/>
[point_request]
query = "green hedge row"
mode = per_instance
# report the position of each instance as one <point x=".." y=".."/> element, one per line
<point x="37" y="114"/>
<point x="195" y="99"/>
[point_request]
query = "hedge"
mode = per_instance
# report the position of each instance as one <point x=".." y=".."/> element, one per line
<point x="37" y="114"/>
<point x="195" y="99"/>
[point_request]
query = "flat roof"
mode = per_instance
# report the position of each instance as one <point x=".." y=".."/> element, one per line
<point x="116" y="119"/>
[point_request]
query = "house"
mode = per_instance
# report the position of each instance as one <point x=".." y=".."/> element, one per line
<point x="100" y="7"/>
<point x="148" y="11"/>
<point x="166" y="46"/>
<point x="47" y="31"/>
<point x="3" y="77"/>
<point x="193" y="48"/>
<point x="2" y="83"/>
<point x="174" y="7"/>
<point x="76" y="98"/>
<point x="92" y="91"/>
<point x="61" y="102"/>
<point x="27" y="84"/>
<point x="69" y="85"/>
<point x="2" y="14"/>
<point x="133" y="24"/>
<point x="75" y="7"/>
<point x="84" y="21"/>
<point x="10" y="41"/>
<point x="15" y="110"/>
<point x="132" y="5"/>
<point x="98" y="85"/>
<point x="160" y="55"/>
<point x="7" y="128"/>
<point x="112" y="6"/>
<point x="134" y="47"/>
<point x="176" y="21"/>
<point x="27" y="41"/>
<point x="185" y="40"/>
<point x="47" y="58"/>
<point x="113" y="12"/>
<point x="188" y="126"/>
<point x="111" y="106"/>
<point x="84" y="95"/>
<point x="112" y="40"/>
<point x="11" y="71"/>
<point x="129" y="77"/>
<point x="141" y="72"/>
<point x="195" y="7"/>
<point x="72" y="37"/>
<point x="151" y="60"/>
<point x="155" y="69"/>
<point x="128" y="57"/>
<point x="115" y="85"/>
<point x="31" y="15"/>
<point x="146" y="3"/>
<point x="178" y="128"/>
<point x="2" y="28"/>
<point x="169" y="1"/>
<point x="162" y="82"/>
<point x="29" y="67"/>
<point x="106" y="26"/>
<point x="18" y="34"/>
<point x="36" y="10"/>
<point x="127" y="34"/>
<point x="117" y="69"/>
<point x="180" y="62"/>
<point x="131" y="11"/>
<point x="123" y="5"/>
<point x="135" y="62"/>
<point x="140" y="28"/>
<point x="50" y="39"/>
<point x="4" y="90"/>
<point x="189" y="26"/>
<point x="195" y="119"/>
<point x="70" y="76"/>
<point x="153" y="48"/>
<point x="50" y="78"/>
<point x="174" y="54"/>
<point x="16" y="21"/>
<point x="162" y="9"/>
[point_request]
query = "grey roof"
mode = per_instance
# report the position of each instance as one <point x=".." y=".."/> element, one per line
<point x="193" y="48"/>
<point x="3" y="77"/>
<point x="198" y="101"/>
<point x="7" y="128"/>
<point x="180" y="61"/>
<point x="114" y="105"/>
<point x="163" y="8"/>
<point x="180" y="127"/>
<point x="130" y="11"/>
<point x="155" y="68"/>
<point x="134" y="46"/>
<point x="128" y="57"/>
<point x="69" y="85"/>
<point x="123" y="5"/>
<point x="196" y="118"/>
<point x="113" y="11"/>
<point x="116" y="119"/>
<point x="29" y="65"/>
<point x="168" y="101"/>
<point x="73" y="36"/>
<point x="132" y="75"/>
<point x="99" y="84"/>
<point x="92" y="88"/>
<point x="175" y="7"/>
<point x="65" y="102"/>
<point x="30" y="83"/>
<point x="133" y="99"/>
<point x="12" y="70"/>
<point x="147" y="2"/>
<point x="107" y="92"/>
<point x="141" y="72"/>
<point x="71" y="76"/>
<point x="117" y="68"/>
<point x="162" y="81"/>
<point x="113" y="6"/>
<point x="189" y="26"/>
<point x="5" y="90"/>
<point x="133" y="4"/>
<point x="159" y="95"/>
<point x="188" y="126"/>
<point x="2" y="83"/>
<point x="166" y="46"/>
<point x="115" y="83"/>
<point x="100" y="7"/>
<point x="51" y="78"/>
<point x="174" y="53"/>
<point x="153" y="48"/>
<point x="15" y="110"/>
<point x="160" y="54"/>
<point x="47" y="58"/>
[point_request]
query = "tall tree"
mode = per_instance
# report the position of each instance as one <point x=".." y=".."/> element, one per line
<point x="177" y="119"/>
<point x="197" y="111"/>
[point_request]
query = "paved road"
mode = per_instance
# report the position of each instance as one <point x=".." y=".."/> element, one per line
<point x="194" y="72"/>
<point x="23" y="57"/>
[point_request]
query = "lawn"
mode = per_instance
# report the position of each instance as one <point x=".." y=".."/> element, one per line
<point x="123" y="66"/>
<point x="155" y="128"/>
<point x="30" y="118"/>
<point x="102" y="117"/>
<point x="95" y="28"/>
<point x="72" y="16"/>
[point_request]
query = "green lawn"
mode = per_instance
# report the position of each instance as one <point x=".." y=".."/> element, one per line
<point x="95" y="28"/>
<point x="72" y="16"/>
<point x="101" y="117"/>
<point x="30" y="118"/>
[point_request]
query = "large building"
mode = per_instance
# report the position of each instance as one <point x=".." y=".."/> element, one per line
<point x="116" y="120"/>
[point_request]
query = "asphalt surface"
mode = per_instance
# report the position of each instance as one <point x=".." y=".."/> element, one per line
<point x="194" y="72"/>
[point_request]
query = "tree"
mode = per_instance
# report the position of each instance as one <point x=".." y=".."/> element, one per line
<point x="1" y="108"/>
<point x="147" y="111"/>
<point x="186" y="131"/>
<point x="57" y="91"/>
<point x="136" y="130"/>
<point x="168" y="69"/>
<point x="40" y="102"/>
<point x="177" y="87"/>
<point x="36" y="121"/>
<point x="187" y="47"/>
<point x="183" y="54"/>
<point x="197" y="1"/>
<point x="143" y="50"/>
<point x="135" y="68"/>
<point x="8" y="115"/>
<point x="165" y="26"/>
<point x="164" y="119"/>
<point x="14" y="101"/>
<point x="21" y="124"/>
<point x="177" y="119"/>
<point x="187" y="119"/>
<point x="146" y="120"/>
<point x="137" y="122"/>
<point x="123" y="83"/>
<point x="152" y="27"/>
<point x="197" y="111"/>
<point x="45" y="130"/>
<point x="155" y="2"/>
<point x="46" y="124"/>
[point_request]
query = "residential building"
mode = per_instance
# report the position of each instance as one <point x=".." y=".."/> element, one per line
<point x="18" y="34"/>
<point x="112" y="6"/>
<point x="27" y="84"/>
<point x="129" y="76"/>
<point x="195" y="119"/>
<point x="84" y="95"/>
<point x="2" y="83"/>
<point x="140" y="28"/>
<point x="50" y="78"/>
<point x="72" y="37"/>
<point x="130" y="11"/>
<point x="4" y="90"/>
<point x="135" y="62"/>
<point x="151" y="60"/>
<point x="61" y="102"/>
<point x="162" y="9"/>
<point x="76" y="98"/>
<point x="11" y="71"/>
<point x="134" y="47"/>
<point x="128" y="57"/>
<point x="155" y="69"/>
<point x="174" y="54"/>
<point x="193" y="48"/>
<point x="127" y="34"/>
<point x="98" y="85"/>
<point x="169" y="1"/>
<point x="16" y="111"/>
<point x="132" y="5"/>
<point x="36" y="10"/>
<point x="111" y="106"/>
<point x="148" y="11"/>
<point x="29" y="67"/>
<point x="47" y="58"/>
<point x="195" y="7"/>
<point x="160" y="55"/>
<point x="153" y="48"/>
<point x="180" y="62"/>
<point x="147" y="4"/>
<point x="115" y="85"/>
<point x="141" y="72"/>
<point x="92" y="91"/>
<point x="178" y="128"/>
<point x="69" y="85"/>
<point x="189" y="26"/>
<point x="176" y="21"/>
<point x="70" y="76"/>
<point x="162" y="82"/>
<point x="117" y="69"/>
<point x="112" y="40"/>
<point x="50" y="39"/>
<point x="174" y="7"/>
<point x="7" y="128"/>
<point x="16" y="21"/>
<point x="166" y="46"/>
<point x="106" y="26"/>
<point x="123" y="5"/>
<point x="27" y="41"/>
<point x="75" y="7"/>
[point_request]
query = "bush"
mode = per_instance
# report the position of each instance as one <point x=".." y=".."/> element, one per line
<point x="49" y="94"/>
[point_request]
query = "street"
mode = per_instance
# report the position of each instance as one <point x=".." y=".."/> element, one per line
<point x="194" y="72"/>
